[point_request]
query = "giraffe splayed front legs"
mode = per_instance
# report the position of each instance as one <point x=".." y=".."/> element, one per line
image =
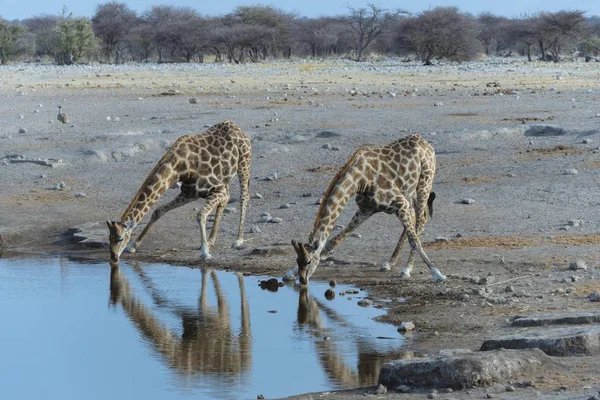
<point x="205" y="165"/>
<point x="395" y="179"/>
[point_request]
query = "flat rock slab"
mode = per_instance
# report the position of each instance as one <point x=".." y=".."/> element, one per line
<point x="90" y="234"/>
<point x="570" y="341"/>
<point x="461" y="369"/>
<point x="571" y="318"/>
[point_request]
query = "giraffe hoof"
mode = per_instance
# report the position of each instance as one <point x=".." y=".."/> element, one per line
<point x="404" y="275"/>
<point x="130" y="248"/>
<point x="440" y="278"/>
<point x="238" y="245"/>
<point x="204" y="255"/>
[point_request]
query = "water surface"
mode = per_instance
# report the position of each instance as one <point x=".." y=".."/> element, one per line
<point x="74" y="330"/>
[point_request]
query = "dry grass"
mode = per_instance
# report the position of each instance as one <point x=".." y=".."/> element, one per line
<point x="557" y="151"/>
<point x="506" y="242"/>
<point x="579" y="240"/>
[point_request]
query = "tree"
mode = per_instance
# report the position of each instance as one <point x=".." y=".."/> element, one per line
<point x="442" y="32"/>
<point x="112" y="23"/>
<point x="521" y="31"/>
<point x="187" y="33"/>
<point x="560" y="30"/>
<point x="11" y="40"/>
<point x="488" y="31"/>
<point x="76" y="40"/>
<point x="367" y="24"/>
<point x="43" y="27"/>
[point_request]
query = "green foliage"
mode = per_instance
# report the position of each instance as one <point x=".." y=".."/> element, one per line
<point x="11" y="41"/>
<point x="76" y="40"/>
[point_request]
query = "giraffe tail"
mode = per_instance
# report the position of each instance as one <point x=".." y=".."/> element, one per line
<point x="430" y="203"/>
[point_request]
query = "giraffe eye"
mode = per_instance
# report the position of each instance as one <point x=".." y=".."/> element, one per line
<point x="308" y="262"/>
<point x="120" y="239"/>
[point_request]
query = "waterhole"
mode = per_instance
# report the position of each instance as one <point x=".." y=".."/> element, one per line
<point x="82" y="330"/>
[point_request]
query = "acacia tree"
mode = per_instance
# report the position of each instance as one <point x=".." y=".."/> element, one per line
<point x="560" y="30"/>
<point x="76" y="40"/>
<point x="43" y="28"/>
<point x="112" y="23"/>
<point x="522" y="32"/>
<point x="12" y="42"/>
<point x="442" y="32"/>
<point x="368" y="23"/>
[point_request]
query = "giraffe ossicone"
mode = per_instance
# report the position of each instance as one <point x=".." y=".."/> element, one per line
<point x="204" y="164"/>
<point x="395" y="179"/>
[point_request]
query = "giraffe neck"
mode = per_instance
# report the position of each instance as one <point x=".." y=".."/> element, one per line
<point x="160" y="179"/>
<point x="337" y="196"/>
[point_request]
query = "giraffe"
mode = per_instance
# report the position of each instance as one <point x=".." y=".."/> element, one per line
<point x="384" y="179"/>
<point x="204" y="164"/>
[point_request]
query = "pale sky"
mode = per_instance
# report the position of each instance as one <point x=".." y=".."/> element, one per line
<point x="22" y="9"/>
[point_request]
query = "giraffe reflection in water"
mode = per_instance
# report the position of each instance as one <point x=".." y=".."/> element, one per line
<point x="369" y="359"/>
<point x="208" y="343"/>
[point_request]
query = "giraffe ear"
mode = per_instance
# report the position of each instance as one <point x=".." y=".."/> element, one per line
<point x="109" y="224"/>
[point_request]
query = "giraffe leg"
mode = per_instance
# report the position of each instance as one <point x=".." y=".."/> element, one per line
<point x="178" y="201"/>
<point x="218" y="215"/>
<point x="361" y="216"/>
<point x="212" y="201"/>
<point x="406" y="219"/>
<point x="244" y="178"/>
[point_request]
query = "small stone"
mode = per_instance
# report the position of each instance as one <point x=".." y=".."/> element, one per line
<point x="403" y="389"/>
<point x="230" y="210"/>
<point x="326" y="146"/>
<point x="381" y="389"/>
<point x="406" y="327"/>
<point x="587" y="141"/>
<point x="332" y="283"/>
<point x="509" y="289"/>
<point x="489" y="395"/>
<point x="193" y="100"/>
<point x="441" y="239"/>
<point x="61" y="186"/>
<point x="433" y="394"/>
<point x="258" y="195"/>
<point x="594" y="296"/>
<point x="356" y="235"/>
<point x="571" y="171"/>
<point x="80" y="194"/>
<point x="438" y="104"/>
<point x="467" y="201"/>
<point x="275" y="220"/>
<point x="22" y="130"/>
<point x="255" y="229"/>
<point x="307" y="194"/>
<point x="272" y="177"/>
<point x="330" y="294"/>
<point x="364" y="302"/>
<point x="286" y="205"/>
<point x="574" y="222"/>
<point x="576" y="265"/>
<point x="509" y="388"/>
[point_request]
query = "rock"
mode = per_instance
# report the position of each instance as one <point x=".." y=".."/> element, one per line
<point x="406" y="327"/>
<point x="272" y="285"/>
<point x="307" y="194"/>
<point x="230" y="210"/>
<point x="594" y="296"/>
<point x="284" y="206"/>
<point x="577" y="265"/>
<point x="22" y="130"/>
<point x="587" y="141"/>
<point x="356" y="235"/>
<point x="326" y="146"/>
<point x="569" y="341"/>
<point x="545" y="130"/>
<point x="467" y="201"/>
<point x="90" y="235"/>
<point x="272" y="177"/>
<point x="330" y="294"/>
<point x="438" y="104"/>
<point x="381" y="389"/>
<point x="327" y="134"/>
<point x="403" y="389"/>
<point x="364" y="303"/>
<point x="332" y="283"/>
<point x="462" y="369"/>
<point x="61" y="186"/>
<point x="258" y="195"/>
<point x="571" y="171"/>
<point x="275" y="220"/>
<point x="509" y="388"/>
<point x="193" y="100"/>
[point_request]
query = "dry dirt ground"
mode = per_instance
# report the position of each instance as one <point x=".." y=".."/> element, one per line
<point x="531" y="216"/>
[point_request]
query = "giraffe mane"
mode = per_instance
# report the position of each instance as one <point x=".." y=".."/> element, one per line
<point x="332" y="184"/>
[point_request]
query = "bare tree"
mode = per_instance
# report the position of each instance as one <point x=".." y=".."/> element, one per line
<point x="442" y="32"/>
<point x="488" y="31"/>
<point x="368" y="23"/>
<point x="43" y="27"/>
<point x="111" y="23"/>
<point x="522" y="33"/>
<point x="160" y="19"/>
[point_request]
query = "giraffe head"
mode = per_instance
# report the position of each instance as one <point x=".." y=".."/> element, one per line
<point x="118" y="238"/>
<point x="308" y="260"/>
